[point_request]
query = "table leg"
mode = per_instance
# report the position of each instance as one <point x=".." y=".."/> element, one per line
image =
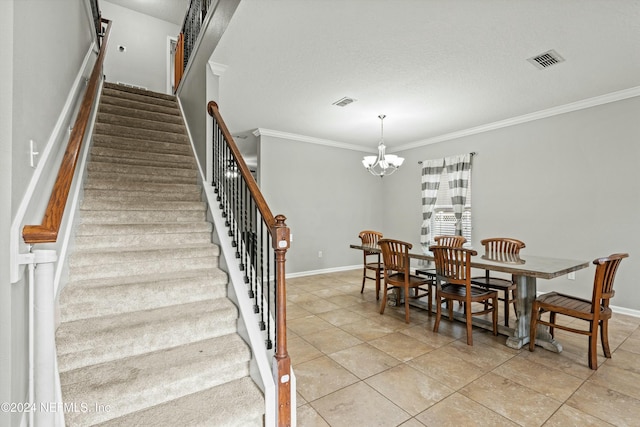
<point x="525" y="294"/>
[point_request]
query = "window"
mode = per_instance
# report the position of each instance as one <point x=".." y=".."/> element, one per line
<point x="443" y="220"/>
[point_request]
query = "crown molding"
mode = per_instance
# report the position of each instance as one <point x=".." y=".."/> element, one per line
<point x="217" y="69"/>
<point x="562" y="109"/>
<point x="311" y="140"/>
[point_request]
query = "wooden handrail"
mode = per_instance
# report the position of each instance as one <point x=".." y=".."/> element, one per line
<point x="281" y="240"/>
<point x="47" y="232"/>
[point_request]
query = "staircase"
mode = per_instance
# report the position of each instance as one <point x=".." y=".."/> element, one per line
<point x="147" y="334"/>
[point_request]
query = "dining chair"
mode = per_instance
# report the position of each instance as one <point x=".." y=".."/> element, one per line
<point x="456" y="242"/>
<point x="395" y="256"/>
<point x="500" y="249"/>
<point x="371" y="260"/>
<point x="453" y="282"/>
<point x="595" y="312"/>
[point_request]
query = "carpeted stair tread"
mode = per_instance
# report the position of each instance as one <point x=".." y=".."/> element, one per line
<point x="135" y="104"/>
<point x="102" y="128"/>
<point x="143" y="97"/>
<point x="141" y="146"/>
<point x="105" y="184"/>
<point x="122" y="196"/>
<point x="115" y="168"/>
<point x="81" y="301"/>
<point x="158" y="265"/>
<point x="139" y="205"/>
<point x="133" y="177"/>
<point x="216" y="406"/>
<point x="117" y="154"/>
<point x="152" y="228"/>
<point x="151" y="94"/>
<point x="103" y="339"/>
<point x="125" y="111"/>
<point x="138" y="123"/>
<point x="210" y="272"/>
<point x="135" y="217"/>
<point x="151" y="162"/>
<point x="106" y="256"/>
<point x="140" y="240"/>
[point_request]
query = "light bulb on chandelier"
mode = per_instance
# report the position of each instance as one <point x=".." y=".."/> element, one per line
<point x="383" y="164"/>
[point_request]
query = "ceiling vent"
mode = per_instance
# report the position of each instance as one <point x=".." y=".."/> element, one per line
<point x="344" y="101"/>
<point x="546" y="59"/>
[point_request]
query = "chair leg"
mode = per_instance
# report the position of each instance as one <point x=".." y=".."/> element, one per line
<point x="383" y="304"/>
<point x="593" y="348"/>
<point x="506" y="308"/>
<point x="495" y="316"/>
<point x="364" y="277"/>
<point x="467" y="311"/>
<point x="533" y="325"/>
<point x="552" y="320"/>
<point x="377" y="285"/>
<point x="604" y="337"/>
<point x="450" y="308"/>
<point x="438" y="312"/>
<point x="515" y="306"/>
<point x="406" y="305"/>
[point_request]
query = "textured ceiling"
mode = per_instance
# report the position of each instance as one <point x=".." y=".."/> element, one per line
<point x="432" y="66"/>
<point x="168" y="10"/>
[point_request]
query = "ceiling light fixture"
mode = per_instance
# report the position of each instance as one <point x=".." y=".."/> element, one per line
<point x="383" y="164"/>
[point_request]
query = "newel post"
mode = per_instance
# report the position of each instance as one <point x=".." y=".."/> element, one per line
<point x="282" y="360"/>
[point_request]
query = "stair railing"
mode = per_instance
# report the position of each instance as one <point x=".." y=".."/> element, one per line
<point x="47" y="232"/>
<point x="261" y="242"/>
<point x="189" y="33"/>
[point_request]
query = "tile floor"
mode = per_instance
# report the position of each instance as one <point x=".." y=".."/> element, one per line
<point x="355" y="367"/>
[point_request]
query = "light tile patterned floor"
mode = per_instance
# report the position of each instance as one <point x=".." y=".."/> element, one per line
<point x="355" y="367"/>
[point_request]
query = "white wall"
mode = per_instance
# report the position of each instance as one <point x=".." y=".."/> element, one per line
<point x="6" y="98"/>
<point x="144" y="63"/>
<point x="327" y="197"/>
<point x="565" y="185"/>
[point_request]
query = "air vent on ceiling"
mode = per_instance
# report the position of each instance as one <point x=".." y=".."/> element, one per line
<point x="344" y="101"/>
<point x="546" y="59"/>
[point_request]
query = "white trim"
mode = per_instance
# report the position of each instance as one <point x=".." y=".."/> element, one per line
<point x="170" y="75"/>
<point x="324" y="271"/>
<point x="15" y="237"/>
<point x="217" y="69"/>
<point x="312" y="140"/>
<point x="562" y="109"/>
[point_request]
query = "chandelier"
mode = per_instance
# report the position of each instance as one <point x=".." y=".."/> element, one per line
<point x="383" y="164"/>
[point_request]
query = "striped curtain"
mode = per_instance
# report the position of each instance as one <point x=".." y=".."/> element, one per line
<point x="431" y="173"/>
<point x="459" y="171"/>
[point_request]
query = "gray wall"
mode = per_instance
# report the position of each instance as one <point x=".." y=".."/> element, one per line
<point x="144" y="63"/>
<point x="565" y="185"/>
<point x="327" y="197"/>
<point x="6" y="97"/>
<point x="37" y="73"/>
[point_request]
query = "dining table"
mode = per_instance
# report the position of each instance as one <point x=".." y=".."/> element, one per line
<point x="526" y="269"/>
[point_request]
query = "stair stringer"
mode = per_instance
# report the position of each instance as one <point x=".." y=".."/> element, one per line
<point x="260" y="365"/>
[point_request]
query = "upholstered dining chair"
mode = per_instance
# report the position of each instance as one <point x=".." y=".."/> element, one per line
<point x="500" y="248"/>
<point x="595" y="312"/>
<point x="395" y="256"/>
<point x="453" y="282"/>
<point x="371" y="260"/>
<point x="454" y="241"/>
